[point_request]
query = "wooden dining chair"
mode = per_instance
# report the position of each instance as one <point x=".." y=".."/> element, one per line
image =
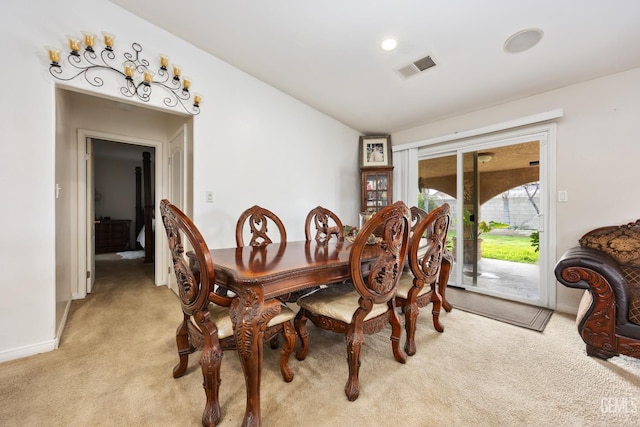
<point x="417" y="214"/>
<point x="366" y="304"/>
<point x="326" y="224"/>
<point x="321" y="224"/>
<point x="426" y="255"/>
<point x="206" y="324"/>
<point x="255" y="221"/>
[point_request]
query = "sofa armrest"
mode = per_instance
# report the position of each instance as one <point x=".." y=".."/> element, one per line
<point x="588" y="268"/>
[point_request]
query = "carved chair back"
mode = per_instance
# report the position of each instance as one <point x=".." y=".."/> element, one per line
<point x="195" y="280"/>
<point x="258" y="219"/>
<point x="426" y="253"/>
<point x="378" y="284"/>
<point x="417" y="215"/>
<point x="326" y="224"/>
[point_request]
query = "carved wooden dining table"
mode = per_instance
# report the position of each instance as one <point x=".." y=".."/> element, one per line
<point x="258" y="275"/>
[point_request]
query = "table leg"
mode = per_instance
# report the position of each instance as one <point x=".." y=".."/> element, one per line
<point x="250" y="315"/>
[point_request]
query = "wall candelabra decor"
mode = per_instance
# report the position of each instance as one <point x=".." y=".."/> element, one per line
<point x="139" y="79"/>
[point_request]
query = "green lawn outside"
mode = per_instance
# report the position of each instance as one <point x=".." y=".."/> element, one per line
<point x="508" y="248"/>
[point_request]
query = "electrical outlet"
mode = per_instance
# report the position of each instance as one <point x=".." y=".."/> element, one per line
<point x="208" y="197"/>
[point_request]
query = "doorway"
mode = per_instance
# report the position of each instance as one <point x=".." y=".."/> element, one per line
<point x="500" y="220"/>
<point x="91" y="210"/>
<point x="123" y="179"/>
<point x="498" y="191"/>
<point x="134" y="125"/>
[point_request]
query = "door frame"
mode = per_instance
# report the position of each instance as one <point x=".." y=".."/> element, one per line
<point x="177" y="144"/>
<point x="546" y="135"/>
<point x="84" y="257"/>
<point x="90" y="212"/>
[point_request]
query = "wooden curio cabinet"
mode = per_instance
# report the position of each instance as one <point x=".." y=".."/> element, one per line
<point x="377" y="187"/>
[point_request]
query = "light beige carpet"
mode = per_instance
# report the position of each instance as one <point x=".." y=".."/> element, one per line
<point x="113" y="368"/>
<point x="513" y="312"/>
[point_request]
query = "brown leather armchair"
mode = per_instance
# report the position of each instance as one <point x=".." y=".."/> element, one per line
<point x="607" y="266"/>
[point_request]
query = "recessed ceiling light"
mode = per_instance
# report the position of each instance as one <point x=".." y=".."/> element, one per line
<point x="523" y="40"/>
<point x="389" y="44"/>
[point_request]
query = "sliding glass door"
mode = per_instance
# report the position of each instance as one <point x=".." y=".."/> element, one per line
<point x="496" y="196"/>
<point x="437" y="185"/>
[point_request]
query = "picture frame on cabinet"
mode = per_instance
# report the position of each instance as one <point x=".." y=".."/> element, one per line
<point x="375" y="151"/>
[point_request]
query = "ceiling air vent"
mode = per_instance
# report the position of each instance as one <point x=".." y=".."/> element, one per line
<point x="416" y="67"/>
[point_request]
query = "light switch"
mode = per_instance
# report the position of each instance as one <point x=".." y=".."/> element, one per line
<point x="208" y="197"/>
<point x="562" y="196"/>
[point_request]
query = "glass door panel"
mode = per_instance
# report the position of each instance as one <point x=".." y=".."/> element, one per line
<point x="438" y="185"/>
<point x="496" y="234"/>
<point x="501" y="214"/>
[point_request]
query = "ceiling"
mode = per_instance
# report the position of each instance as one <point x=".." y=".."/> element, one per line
<point x="509" y="157"/>
<point x="327" y="53"/>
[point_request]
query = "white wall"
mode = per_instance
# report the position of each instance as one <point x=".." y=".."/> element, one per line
<point x="65" y="165"/>
<point x="597" y="154"/>
<point x="252" y="145"/>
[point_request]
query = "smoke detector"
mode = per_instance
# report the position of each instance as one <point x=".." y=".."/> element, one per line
<point x="416" y="67"/>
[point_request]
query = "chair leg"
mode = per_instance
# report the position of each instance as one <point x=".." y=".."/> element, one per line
<point x="210" y="361"/>
<point x="355" y="340"/>
<point x="410" y="319"/>
<point x="300" y="323"/>
<point x="396" y="332"/>
<point x="184" y="348"/>
<point x="445" y="270"/>
<point x="435" y="312"/>
<point x="289" y="344"/>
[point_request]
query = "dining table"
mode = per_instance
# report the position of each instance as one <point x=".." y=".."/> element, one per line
<point x="258" y="275"/>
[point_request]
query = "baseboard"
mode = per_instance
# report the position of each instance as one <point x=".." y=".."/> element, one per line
<point x="78" y="295"/>
<point x="29" y="350"/>
<point x="63" y="323"/>
<point x="567" y="309"/>
<point x="43" y="347"/>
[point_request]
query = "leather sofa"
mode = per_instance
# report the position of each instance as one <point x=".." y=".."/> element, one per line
<point x="607" y="265"/>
